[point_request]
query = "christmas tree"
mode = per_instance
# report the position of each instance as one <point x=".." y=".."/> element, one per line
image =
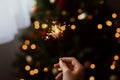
<point x="86" y="30"/>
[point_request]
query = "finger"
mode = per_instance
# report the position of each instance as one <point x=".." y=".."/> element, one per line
<point x="59" y="76"/>
<point x="57" y="65"/>
<point x="71" y="60"/>
<point x="63" y="66"/>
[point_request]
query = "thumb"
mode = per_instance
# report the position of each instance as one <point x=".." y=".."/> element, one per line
<point x="63" y="66"/>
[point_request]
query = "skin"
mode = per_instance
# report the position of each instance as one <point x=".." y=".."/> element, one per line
<point x="71" y="69"/>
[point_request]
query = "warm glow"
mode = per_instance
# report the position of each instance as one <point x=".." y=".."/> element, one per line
<point x="73" y="27"/>
<point x="92" y="66"/>
<point x="91" y="78"/>
<point x="62" y="28"/>
<point x="36" y="71"/>
<point x="59" y="69"/>
<point x="112" y="67"/>
<point x="44" y="26"/>
<point x="101" y="1"/>
<point x="36" y="23"/>
<point x="118" y="30"/>
<point x="52" y="1"/>
<point x="37" y="26"/>
<point x="46" y="69"/>
<point x="27" y="67"/>
<point x="22" y="79"/>
<point x="108" y="23"/>
<point x="99" y="26"/>
<point x="82" y="16"/>
<point x="114" y="63"/>
<point x="63" y="12"/>
<point x="117" y="35"/>
<point x="31" y="72"/>
<point x="79" y="10"/>
<point x="72" y="19"/>
<point x="116" y="57"/>
<point x="24" y="47"/>
<point x="90" y="16"/>
<point x="114" y="15"/>
<point x="33" y="46"/>
<point x="28" y="58"/>
<point x="27" y="42"/>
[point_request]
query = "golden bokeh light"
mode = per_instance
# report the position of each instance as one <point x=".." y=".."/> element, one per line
<point x="79" y="10"/>
<point x="82" y="16"/>
<point x="90" y="16"/>
<point x="112" y="67"/>
<point x="33" y="46"/>
<point x="52" y="1"/>
<point x="44" y="26"/>
<point x="117" y="35"/>
<point x="116" y="57"/>
<point x="118" y="30"/>
<point x="114" y="15"/>
<point x="99" y="26"/>
<point x="63" y="28"/>
<point x="109" y="23"/>
<point x="92" y="66"/>
<point x="22" y="79"/>
<point x="28" y="58"/>
<point x="27" y="67"/>
<point x="36" y="71"/>
<point x="27" y="42"/>
<point x="73" y="27"/>
<point x="72" y="19"/>
<point x="36" y="23"/>
<point x="64" y="12"/>
<point x="91" y="78"/>
<point x="101" y="1"/>
<point x="37" y="26"/>
<point x="59" y="69"/>
<point x="24" y="47"/>
<point x="45" y="69"/>
<point x="31" y="72"/>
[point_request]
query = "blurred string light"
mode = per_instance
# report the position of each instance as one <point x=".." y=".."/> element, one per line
<point x="44" y="26"/>
<point x="52" y="1"/>
<point x="116" y="57"/>
<point x="36" y="24"/>
<point x="22" y="79"/>
<point x="24" y="47"/>
<point x="64" y="12"/>
<point x="91" y="78"/>
<point x="73" y="27"/>
<point x="31" y="72"/>
<point x="117" y="34"/>
<point x="92" y="66"/>
<point x="33" y="46"/>
<point x="27" y="42"/>
<point x="36" y="71"/>
<point x="28" y="58"/>
<point x="114" y="15"/>
<point x="27" y="67"/>
<point x="112" y="67"/>
<point x="99" y="26"/>
<point x="79" y="10"/>
<point x="82" y="16"/>
<point x="109" y="23"/>
<point x="45" y="69"/>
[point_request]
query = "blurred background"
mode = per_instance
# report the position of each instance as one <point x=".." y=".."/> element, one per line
<point x="87" y="30"/>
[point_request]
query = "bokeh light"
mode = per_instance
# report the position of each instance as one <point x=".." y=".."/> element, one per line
<point x="118" y="30"/>
<point x="52" y="1"/>
<point x="117" y="35"/>
<point x="27" y="67"/>
<point x="36" y="71"/>
<point x="109" y="23"/>
<point x="82" y="16"/>
<point x="33" y="46"/>
<point x="24" y="47"/>
<point x="44" y="26"/>
<point x="114" y="15"/>
<point x="73" y="27"/>
<point x="91" y="78"/>
<point x="80" y="10"/>
<point x="92" y="66"/>
<point x="112" y="67"/>
<point x="31" y="72"/>
<point x="116" y="57"/>
<point x="45" y="69"/>
<point x="99" y="26"/>
<point x="27" y="42"/>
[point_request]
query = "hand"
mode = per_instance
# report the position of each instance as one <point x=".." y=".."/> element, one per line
<point x="71" y="69"/>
